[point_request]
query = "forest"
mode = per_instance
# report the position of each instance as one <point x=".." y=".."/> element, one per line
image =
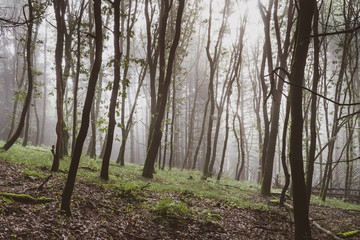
<point x="179" y="119"/>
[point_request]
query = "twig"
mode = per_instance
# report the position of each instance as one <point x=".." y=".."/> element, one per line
<point x="145" y="186"/>
<point x="307" y="89"/>
<point x="318" y="226"/>
<point x="325" y="230"/>
<point x="44" y="182"/>
<point x="111" y="208"/>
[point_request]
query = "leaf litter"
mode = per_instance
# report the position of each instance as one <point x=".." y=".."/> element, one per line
<point x="104" y="213"/>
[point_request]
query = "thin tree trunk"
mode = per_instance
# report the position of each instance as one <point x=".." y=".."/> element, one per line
<point x="316" y="78"/>
<point x="201" y="135"/>
<point x="77" y="76"/>
<point x="70" y="182"/>
<point x="284" y="153"/>
<point x="26" y="107"/>
<point x="114" y="93"/>
<point x="59" y="7"/>
<point x="164" y="82"/>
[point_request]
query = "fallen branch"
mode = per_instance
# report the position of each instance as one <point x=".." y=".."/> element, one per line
<point x="44" y="182"/>
<point x="89" y="169"/>
<point x="318" y="226"/>
<point x="24" y="198"/>
<point x="325" y="230"/>
<point x="40" y="186"/>
<point x="145" y="186"/>
<point x="111" y="208"/>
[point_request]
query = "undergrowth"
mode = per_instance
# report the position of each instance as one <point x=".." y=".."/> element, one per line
<point x="128" y="182"/>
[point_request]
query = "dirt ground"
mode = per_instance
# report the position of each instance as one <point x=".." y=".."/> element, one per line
<point x="100" y="213"/>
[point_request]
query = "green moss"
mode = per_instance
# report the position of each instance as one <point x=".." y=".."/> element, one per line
<point x="31" y="173"/>
<point x="5" y="199"/>
<point x="348" y="234"/>
<point x="24" y="198"/>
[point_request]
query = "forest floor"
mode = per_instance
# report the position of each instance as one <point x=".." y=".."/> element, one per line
<point x="111" y="211"/>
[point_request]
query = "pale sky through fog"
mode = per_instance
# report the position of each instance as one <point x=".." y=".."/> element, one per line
<point x="254" y="26"/>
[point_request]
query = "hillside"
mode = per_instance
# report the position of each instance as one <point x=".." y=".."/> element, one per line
<point x="174" y="205"/>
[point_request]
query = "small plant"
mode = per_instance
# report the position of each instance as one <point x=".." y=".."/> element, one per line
<point x="168" y="208"/>
<point x="33" y="174"/>
<point x="209" y="217"/>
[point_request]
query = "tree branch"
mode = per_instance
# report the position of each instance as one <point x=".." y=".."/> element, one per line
<point x="337" y="32"/>
<point x="307" y="89"/>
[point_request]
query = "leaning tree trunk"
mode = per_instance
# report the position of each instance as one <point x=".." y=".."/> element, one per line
<point x="164" y="84"/>
<point x="26" y="107"/>
<point x="69" y="186"/>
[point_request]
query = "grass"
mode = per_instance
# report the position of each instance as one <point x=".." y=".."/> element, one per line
<point x="334" y="203"/>
<point x="128" y="179"/>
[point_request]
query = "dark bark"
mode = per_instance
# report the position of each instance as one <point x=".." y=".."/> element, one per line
<point x="276" y="91"/>
<point x="313" y="135"/>
<point x="69" y="186"/>
<point x="77" y="76"/>
<point x="213" y="62"/>
<point x="164" y="82"/>
<point x="92" y="143"/>
<point x="226" y="137"/>
<point x="59" y="7"/>
<point x="152" y="57"/>
<point x="302" y="40"/>
<point x="26" y="130"/>
<point x="125" y="127"/>
<point x="284" y="153"/>
<point x="26" y="107"/>
<point x="44" y="102"/>
<point x="114" y="93"/>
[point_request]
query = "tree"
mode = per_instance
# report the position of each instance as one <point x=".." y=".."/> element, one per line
<point x="213" y="62"/>
<point x="77" y="74"/>
<point x="165" y="72"/>
<point x="26" y="107"/>
<point x="302" y="41"/>
<point x="59" y="7"/>
<point x="277" y="86"/>
<point x="125" y="127"/>
<point x="70" y="182"/>
<point x="114" y="93"/>
<point x="234" y="75"/>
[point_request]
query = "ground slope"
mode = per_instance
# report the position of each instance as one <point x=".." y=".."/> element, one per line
<point x="103" y="211"/>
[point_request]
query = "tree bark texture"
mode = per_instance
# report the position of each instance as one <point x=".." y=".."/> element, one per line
<point x="70" y="182"/>
<point x="302" y="41"/>
<point x="164" y="83"/>
<point x="26" y="107"/>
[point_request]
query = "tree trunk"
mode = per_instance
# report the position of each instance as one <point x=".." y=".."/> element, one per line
<point x="44" y="102"/>
<point x="277" y="88"/>
<point x="302" y="40"/>
<point x="59" y="7"/>
<point x="284" y="153"/>
<point x="164" y="82"/>
<point x="26" y="107"/>
<point x="69" y="186"/>
<point x="316" y="78"/>
<point x="26" y="130"/>
<point x="114" y="93"/>
<point x="77" y="76"/>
